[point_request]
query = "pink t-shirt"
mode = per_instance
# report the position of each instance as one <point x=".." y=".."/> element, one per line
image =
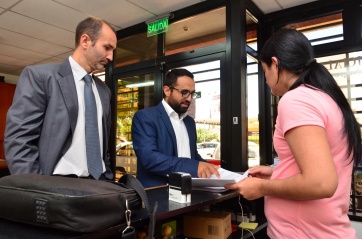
<point x="324" y="218"/>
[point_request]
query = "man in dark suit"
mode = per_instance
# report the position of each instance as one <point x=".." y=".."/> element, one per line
<point x="164" y="136"/>
<point x="45" y="126"/>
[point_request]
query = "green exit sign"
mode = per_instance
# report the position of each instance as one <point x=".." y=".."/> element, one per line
<point x="158" y="27"/>
<point x="198" y="94"/>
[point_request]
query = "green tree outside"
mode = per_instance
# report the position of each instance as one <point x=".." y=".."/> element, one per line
<point x="204" y="135"/>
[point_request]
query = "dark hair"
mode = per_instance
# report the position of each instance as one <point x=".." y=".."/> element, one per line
<point x="295" y="54"/>
<point x="92" y="27"/>
<point x="172" y="75"/>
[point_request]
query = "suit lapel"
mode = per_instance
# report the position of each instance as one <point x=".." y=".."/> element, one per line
<point x="68" y="89"/>
<point x="191" y="132"/>
<point x="102" y="95"/>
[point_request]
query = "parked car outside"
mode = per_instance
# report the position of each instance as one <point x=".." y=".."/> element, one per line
<point x="253" y="154"/>
<point x="206" y="149"/>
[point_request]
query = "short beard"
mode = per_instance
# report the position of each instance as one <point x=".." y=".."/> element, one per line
<point x="177" y="106"/>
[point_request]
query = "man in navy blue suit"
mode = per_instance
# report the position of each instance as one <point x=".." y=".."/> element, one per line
<point x="164" y="136"/>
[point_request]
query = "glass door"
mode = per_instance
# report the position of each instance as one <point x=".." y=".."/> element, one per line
<point x="141" y="89"/>
<point x="205" y="109"/>
<point x="135" y="91"/>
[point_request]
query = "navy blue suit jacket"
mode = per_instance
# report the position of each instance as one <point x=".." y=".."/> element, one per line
<point x="154" y="142"/>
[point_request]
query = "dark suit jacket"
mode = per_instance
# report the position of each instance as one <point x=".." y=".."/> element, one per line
<point x="41" y="121"/>
<point x="154" y="142"/>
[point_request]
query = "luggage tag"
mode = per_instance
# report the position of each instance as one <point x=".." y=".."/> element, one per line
<point x="129" y="231"/>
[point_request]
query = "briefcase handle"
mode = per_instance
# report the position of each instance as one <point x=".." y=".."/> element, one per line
<point x="130" y="181"/>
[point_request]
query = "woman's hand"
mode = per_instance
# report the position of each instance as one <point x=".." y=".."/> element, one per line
<point x="263" y="172"/>
<point x="252" y="187"/>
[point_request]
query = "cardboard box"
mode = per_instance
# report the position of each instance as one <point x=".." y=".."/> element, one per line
<point x="208" y="225"/>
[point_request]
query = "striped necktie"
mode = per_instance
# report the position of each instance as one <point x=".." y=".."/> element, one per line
<point x="94" y="158"/>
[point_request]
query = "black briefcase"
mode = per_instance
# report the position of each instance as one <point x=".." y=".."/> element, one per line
<point x="73" y="204"/>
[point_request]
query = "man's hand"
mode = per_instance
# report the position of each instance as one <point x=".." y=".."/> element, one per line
<point x="205" y="170"/>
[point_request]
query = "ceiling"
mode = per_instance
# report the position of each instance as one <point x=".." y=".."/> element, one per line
<point x="42" y="31"/>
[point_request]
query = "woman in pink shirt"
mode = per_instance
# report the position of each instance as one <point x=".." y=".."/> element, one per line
<point x="318" y="141"/>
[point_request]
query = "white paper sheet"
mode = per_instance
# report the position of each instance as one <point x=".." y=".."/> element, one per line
<point x="226" y="177"/>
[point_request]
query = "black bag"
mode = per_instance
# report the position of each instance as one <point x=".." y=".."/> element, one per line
<point x="73" y="204"/>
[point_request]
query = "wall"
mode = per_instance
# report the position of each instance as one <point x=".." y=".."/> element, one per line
<point x="11" y="79"/>
<point x="7" y="93"/>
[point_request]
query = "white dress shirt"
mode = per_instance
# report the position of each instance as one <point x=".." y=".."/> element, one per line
<point x="74" y="160"/>
<point x="182" y="137"/>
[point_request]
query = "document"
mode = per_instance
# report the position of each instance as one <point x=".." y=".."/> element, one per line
<point x="216" y="184"/>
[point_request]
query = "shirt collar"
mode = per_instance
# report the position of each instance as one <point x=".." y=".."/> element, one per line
<point x="78" y="71"/>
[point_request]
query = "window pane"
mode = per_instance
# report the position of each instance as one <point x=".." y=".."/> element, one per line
<point x="134" y="49"/>
<point x="201" y="30"/>
<point x="347" y="70"/>
<point x="206" y="109"/>
<point x="321" y="30"/>
<point x="133" y="93"/>
<point x="253" y="112"/>
<point x="251" y="31"/>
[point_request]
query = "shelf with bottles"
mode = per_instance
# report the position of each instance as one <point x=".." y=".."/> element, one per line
<point x="126" y="105"/>
<point x="127" y="97"/>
